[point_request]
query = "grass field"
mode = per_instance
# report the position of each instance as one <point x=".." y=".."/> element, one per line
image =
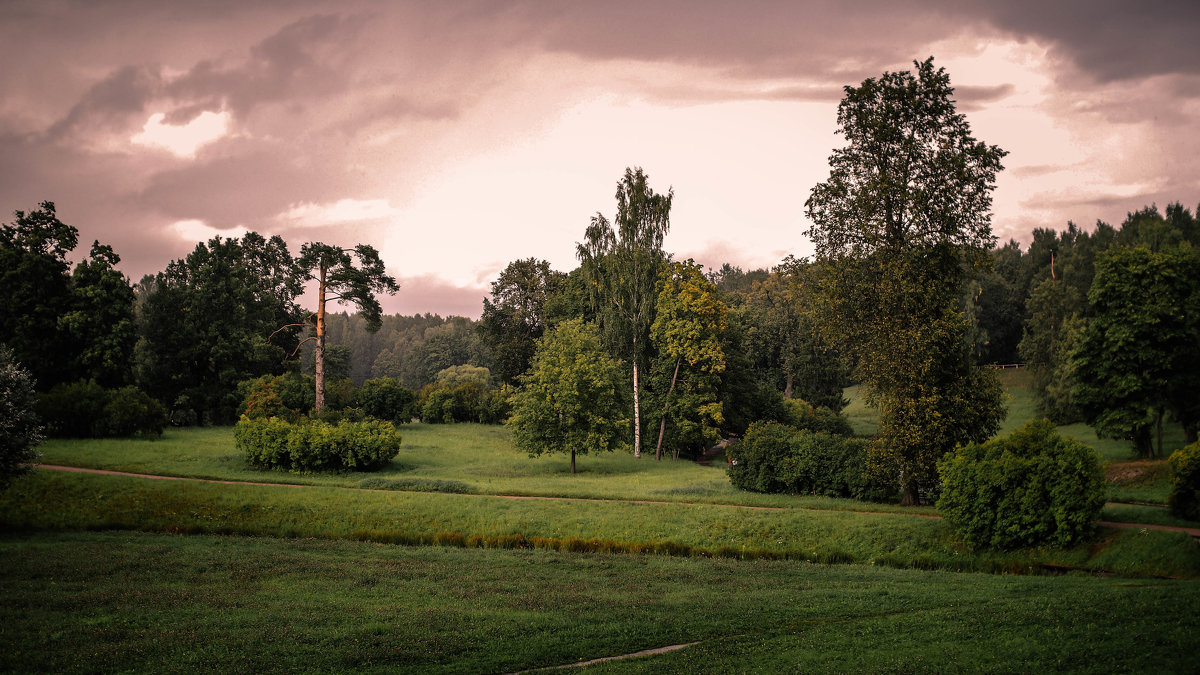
<point x="309" y="576"/>
<point x="159" y="603"/>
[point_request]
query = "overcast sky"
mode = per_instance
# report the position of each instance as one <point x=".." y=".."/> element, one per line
<point x="456" y="137"/>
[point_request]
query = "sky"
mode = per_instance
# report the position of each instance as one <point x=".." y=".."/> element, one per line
<point x="458" y="136"/>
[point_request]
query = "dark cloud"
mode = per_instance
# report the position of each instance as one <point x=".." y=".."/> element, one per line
<point x="1108" y="40"/>
<point x="971" y="98"/>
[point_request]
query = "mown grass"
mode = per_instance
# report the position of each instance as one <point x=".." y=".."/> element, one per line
<point x="91" y="602"/>
<point x="461" y="458"/>
<point x="50" y="500"/>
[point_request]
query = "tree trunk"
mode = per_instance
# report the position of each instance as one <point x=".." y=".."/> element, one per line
<point x="319" y="350"/>
<point x="1189" y="432"/>
<point x="912" y="493"/>
<point x="637" y="412"/>
<point x="662" y="425"/>
<point x="1160" y="432"/>
<point x="572" y="460"/>
<point x="787" y="390"/>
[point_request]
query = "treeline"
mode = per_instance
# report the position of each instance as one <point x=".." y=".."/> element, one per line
<point x="191" y="336"/>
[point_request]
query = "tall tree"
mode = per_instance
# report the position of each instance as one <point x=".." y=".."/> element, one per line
<point x="203" y="321"/>
<point x="339" y="279"/>
<point x="689" y="322"/>
<point x="571" y="399"/>
<point x="35" y="291"/>
<point x="515" y="316"/>
<point x="786" y="349"/>
<point x="904" y="214"/>
<point x="101" y="322"/>
<point x="622" y="262"/>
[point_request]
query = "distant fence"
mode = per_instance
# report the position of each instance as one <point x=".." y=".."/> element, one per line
<point x="1003" y="366"/>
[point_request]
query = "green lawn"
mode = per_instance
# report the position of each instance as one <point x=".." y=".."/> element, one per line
<point x="158" y="603"/>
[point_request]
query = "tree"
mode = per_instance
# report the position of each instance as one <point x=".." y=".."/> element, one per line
<point x="688" y="325"/>
<point x="571" y="399"/>
<point x="515" y="316"/>
<point x="904" y="214"/>
<point x="1137" y="358"/>
<point x="786" y="349"/>
<point x="20" y="431"/>
<point x="35" y="291"/>
<point x="101" y="322"/>
<point x="340" y="280"/>
<point x="622" y="262"/>
<point x="202" y="325"/>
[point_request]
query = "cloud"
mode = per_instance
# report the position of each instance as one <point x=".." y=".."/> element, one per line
<point x="183" y="140"/>
<point x="198" y="231"/>
<point x="338" y="213"/>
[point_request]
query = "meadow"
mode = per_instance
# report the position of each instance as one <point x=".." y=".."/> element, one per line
<point x="465" y="555"/>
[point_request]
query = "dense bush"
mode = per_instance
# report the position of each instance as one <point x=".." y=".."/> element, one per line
<point x="799" y="414"/>
<point x="87" y="410"/>
<point x="463" y="397"/>
<point x="775" y="457"/>
<point x="386" y="399"/>
<point x="20" y="431"/>
<point x="288" y="396"/>
<point x="314" y="445"/>
<point x="1184" y="499"/>
<point x="1033" y="487"/>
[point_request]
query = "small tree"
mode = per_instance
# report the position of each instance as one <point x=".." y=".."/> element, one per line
<point x="20" y="431"/>
<point x="340" y="280"/>
<point x="688" y="326"/>
<point x="570" y="401"/>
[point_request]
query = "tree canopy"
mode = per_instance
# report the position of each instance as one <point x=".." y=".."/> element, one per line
<point x="902" y="218"/>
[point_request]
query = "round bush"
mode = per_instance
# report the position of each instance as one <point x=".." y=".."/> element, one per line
<point x="1033" y="487"/>
<point x="313" y="445"/>
<point x="1184" y="499"/>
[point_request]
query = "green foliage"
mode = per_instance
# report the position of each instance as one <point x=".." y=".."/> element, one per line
<point x="438" y="406"/>
<point x="203" y="325"/>
<point x="289" y="396"/>
<point x="621" y="263"/>
<point x="899" y="226"/>
<point x="1030" y="488"/>
<point x="774" y="457"/>
<point x="1137" y="360"/>
<point x="20" y="429"/>
<point x="88" y="410"/>
<point x="315" y="445"/>
<point x="570" y="401"/>
<point x="101" y="321"/>
<point x="688" y="332"/>
<point x="515" y="316"/>
<point x="1184" y="499"/>
<point x="801" y="415"/>
<point x="783" y="346"/>
<point x="386" y="399"/>
<point x="340" y="279"/>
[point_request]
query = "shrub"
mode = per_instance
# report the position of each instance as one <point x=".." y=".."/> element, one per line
<point x="438" y="407"/>
<point x="20" y="431"/>
<point x="1033" y="487"/>
<point x="131" y="412"/>
<point x="386" y="399"/>
<point x="1184" y="499"/>
<point x="87" y="410"/>
<point x="798" y="413"/>
<point x="314" y="445"/>
<point x="774" y="457"/>
<point x="288" y="396"/>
